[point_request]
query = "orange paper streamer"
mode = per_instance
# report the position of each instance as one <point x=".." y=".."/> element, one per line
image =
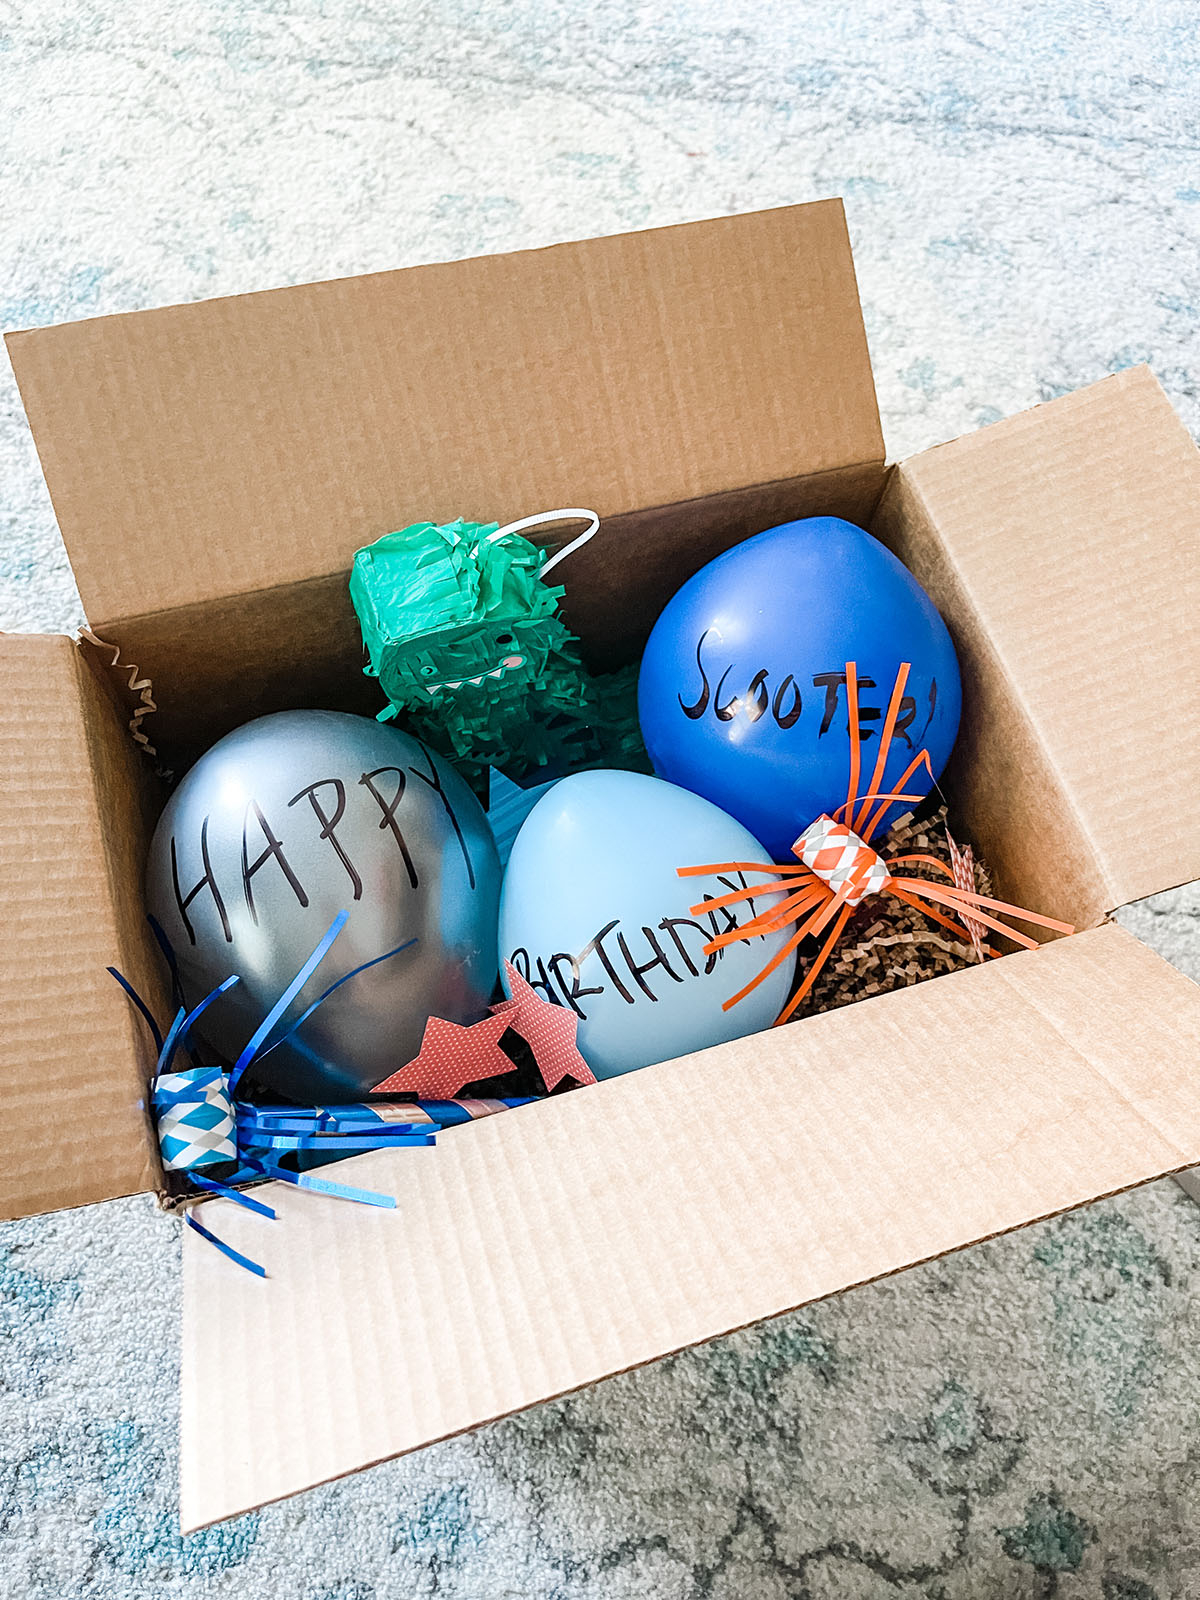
<point x="837" y="869"/>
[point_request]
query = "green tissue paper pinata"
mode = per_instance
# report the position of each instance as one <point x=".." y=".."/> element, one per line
<point x="466" y="641"/>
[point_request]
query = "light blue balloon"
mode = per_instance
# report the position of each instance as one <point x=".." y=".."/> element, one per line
<point x="594" y="914"/>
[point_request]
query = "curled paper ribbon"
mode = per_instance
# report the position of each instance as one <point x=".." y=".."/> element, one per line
<point x="837" y="869"/>
<point x="202" y="1122"/>
<point x="140" y="686"/>
<point x="835" y="853"/>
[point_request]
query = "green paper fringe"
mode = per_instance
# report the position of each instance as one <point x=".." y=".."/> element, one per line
<point x="469" y="649"/>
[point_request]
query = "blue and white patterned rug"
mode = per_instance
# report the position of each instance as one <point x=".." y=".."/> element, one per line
<point x="1023" y="189"/>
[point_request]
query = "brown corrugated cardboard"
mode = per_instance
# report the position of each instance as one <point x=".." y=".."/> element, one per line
<point x="544" y="1249"/>
<point x="219" y="448"/>
<point x="72" y="1066"/>
<point x="1065" y="545"/>
<point x="213" y="468"/>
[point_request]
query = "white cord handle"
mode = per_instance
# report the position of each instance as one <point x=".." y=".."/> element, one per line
<point x="569" y="514"/>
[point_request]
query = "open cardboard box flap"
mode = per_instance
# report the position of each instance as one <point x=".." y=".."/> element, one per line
<point x="552" y="1246"/>
<point x="235" y="445"/>
<point x="74" y="1061"/>
<point x="1065" y="545"/>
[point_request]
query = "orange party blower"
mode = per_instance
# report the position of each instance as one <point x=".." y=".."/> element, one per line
<point x="837" y="869"/>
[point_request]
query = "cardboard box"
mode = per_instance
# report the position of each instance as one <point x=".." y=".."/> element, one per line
<point x="213" y="466"/>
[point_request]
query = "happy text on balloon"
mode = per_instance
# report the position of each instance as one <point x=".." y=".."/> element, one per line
<point x="327" y="800"/>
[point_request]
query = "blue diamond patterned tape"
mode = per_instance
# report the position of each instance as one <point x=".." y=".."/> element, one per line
<point x="195" y="1119"/>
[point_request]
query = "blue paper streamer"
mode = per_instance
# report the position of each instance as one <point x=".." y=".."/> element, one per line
<point x="178" y="1031"/>
<point x="259" y="1037"/>
<point x="349" y="1127"/>
<point x="194" y="1016"/>
<point x="340" y="1191"/>
<point x="238" y="1196"/>
<point x="169" y="1043"/>
<point x="320" y="1000"/>
<point x="168" y="954"/>
<point x="146" y="1014"/>
<point x="349" y="1144"/>
<point x="225" y="1249"/>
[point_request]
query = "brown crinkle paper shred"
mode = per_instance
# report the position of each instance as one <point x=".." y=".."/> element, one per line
<point x="888" y="945"/>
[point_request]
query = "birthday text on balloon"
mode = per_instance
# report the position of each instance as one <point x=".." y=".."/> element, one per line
<point x="614" y="952"/>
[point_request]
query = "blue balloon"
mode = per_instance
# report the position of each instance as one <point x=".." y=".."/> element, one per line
<point x="742" y="690"/>
<point x="595" y="916"/>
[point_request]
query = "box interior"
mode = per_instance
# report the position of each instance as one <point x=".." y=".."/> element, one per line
<point x="230" y="657"/>
<point x="1032" y="628"/>
<point x="218" y="662"/>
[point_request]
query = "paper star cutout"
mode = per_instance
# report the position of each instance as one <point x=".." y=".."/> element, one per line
<point x="548" y="1030"/>
<point x="451" y="1056"/>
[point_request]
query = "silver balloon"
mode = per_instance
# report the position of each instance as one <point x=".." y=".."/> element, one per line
<point x="280" y="826"/>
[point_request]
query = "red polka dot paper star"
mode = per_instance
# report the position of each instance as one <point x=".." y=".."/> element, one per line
<point x="548" y="1030"/>
<point x="451" y="1056"/>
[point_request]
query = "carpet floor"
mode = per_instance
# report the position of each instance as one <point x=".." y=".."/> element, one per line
<point x="1022" y="182"/>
